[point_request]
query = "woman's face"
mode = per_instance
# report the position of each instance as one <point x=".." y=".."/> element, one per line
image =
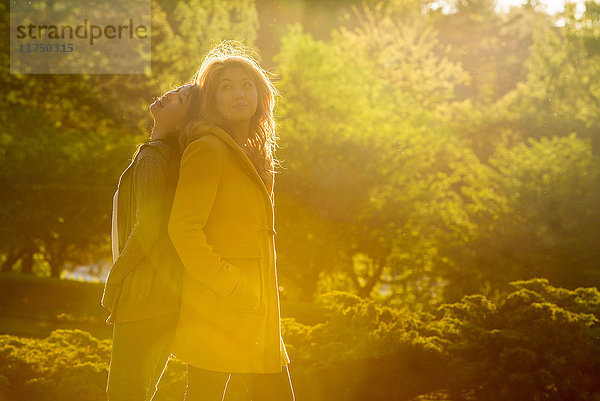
<point x="236" y="95"/>
<point x="170" y="108"/>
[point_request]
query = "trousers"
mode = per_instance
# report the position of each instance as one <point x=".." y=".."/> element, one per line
<point x="206" y="385"/>
<point x="138" y="357"/>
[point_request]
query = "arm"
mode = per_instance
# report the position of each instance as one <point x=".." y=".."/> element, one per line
<point x="149" y="186"/>
<point x="199" y="177"/>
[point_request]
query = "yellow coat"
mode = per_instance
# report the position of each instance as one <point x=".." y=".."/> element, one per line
<point x="222" y="228"/>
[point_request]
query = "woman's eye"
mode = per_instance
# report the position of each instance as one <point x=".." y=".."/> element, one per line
<point x="248" y="85"/>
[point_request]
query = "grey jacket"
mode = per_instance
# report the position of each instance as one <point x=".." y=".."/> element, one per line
<point x="145" y="279"/>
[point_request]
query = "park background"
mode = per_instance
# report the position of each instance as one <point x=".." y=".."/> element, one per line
<point x="438" y="204"/>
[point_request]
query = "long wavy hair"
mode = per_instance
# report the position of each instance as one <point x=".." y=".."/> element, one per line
<point x="262" y="137"/>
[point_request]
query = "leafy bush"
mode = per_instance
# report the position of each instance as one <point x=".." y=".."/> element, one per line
<point x="536" y="342"/>
<point x="67" y="365"/>
<point x="365" y="351"/>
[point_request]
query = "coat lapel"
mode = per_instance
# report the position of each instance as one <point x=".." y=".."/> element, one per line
<point x="250" y="169"/>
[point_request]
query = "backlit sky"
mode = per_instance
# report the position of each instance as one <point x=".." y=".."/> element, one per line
<point x="552" y="6"/>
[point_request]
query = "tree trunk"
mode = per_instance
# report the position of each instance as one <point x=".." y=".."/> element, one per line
<point x="365" y="291"/>
<point x="12" y="258"/>
<point x="55" y="269"/>
<point x="27" y="262"/>
<point x="55" y="255"/>
<point x="309" y="284"/>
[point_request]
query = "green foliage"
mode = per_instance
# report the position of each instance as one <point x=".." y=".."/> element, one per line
<point x="490" y="46"/>
<point x="57" y="184"/>
<point x="407" y="57"/>
<point x="355" y="328"/>
<point x="65" y="138"/>
<point x="363" y="351"/>
<point x="67" y="365"/>
<point x="185" y="31"/>
<point x="551" y="188"/>
<point x="62" y="147"/>
<point x="350" y="146"/>
<point x="428" y="154"/>
<point x="560" y="94"/>
<point x="409" y="174"/>
<point x="535" y="342"/>
<point x="406" y="201"/>
<point x="526" y="213"/>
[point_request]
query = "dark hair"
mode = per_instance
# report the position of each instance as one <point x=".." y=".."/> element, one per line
<point x="193" y="112"/>
<point x="190" y="117"/>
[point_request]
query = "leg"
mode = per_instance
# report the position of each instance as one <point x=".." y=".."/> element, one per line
<point x="158" y="372"/>
<point x="138" y="350"/>
<point x="270" y="386"/>
<point x="205" y="385"/>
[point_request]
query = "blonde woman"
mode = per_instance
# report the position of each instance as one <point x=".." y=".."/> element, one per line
<point x="222" y="228"/>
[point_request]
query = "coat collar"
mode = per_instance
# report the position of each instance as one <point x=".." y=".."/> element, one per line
<point x="250" y="169"/>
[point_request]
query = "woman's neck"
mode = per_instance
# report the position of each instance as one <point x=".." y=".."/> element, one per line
<point x="239" y="131"/>
<point x="159" y="132"/>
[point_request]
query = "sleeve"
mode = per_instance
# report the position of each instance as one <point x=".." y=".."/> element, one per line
<point x="149" y="186"/>
<point x="199" y="177"/>
<point x="114" y="229"/>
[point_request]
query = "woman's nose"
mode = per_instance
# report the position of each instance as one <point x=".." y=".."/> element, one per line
<point x="168" y="97"/>
<point x="239" y="94"/>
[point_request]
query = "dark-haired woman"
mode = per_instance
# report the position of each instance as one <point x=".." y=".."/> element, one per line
<point x="142" y="291"/>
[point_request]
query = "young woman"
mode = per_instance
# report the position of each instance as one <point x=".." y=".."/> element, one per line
<point x="222" y="228"/>
<point x="143" y="287"/>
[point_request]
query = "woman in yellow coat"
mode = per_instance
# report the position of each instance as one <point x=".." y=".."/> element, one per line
<point x="223" y="230"/>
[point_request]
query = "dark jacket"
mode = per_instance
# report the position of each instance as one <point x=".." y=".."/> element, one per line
<point x="145" y="279"/>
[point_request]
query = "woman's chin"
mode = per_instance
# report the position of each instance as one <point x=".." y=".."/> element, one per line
<point x="154" y="107"/>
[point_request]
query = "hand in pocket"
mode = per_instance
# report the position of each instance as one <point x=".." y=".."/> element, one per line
<point x="245" y="296"/>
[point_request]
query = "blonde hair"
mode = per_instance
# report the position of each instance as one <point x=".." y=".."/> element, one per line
<point x="262" y="137"/>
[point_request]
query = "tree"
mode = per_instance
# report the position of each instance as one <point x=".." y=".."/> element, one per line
<point x="65" y="138"/>
<point x="362" y="120"/>
<point x="191" y="28"/>
<point x="490" y="46"/>
<point x="553" y="198"/>
<point x="561" y="93"/>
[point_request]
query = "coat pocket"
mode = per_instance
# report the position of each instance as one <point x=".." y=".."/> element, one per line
<point x="247" y="295"/>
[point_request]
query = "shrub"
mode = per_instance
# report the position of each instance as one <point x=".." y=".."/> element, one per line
<point x="536" y="342"/>
<point x="67" y="365"/>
